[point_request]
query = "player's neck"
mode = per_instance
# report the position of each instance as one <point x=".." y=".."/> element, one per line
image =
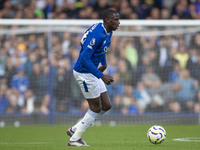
<point x="106" y="28"/>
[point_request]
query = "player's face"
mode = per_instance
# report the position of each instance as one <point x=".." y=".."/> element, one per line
<point x="114" y="22"/>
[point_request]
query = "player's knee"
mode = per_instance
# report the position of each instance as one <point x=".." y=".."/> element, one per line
<point x="107" y="107"/>
<point x="95" y="109"/>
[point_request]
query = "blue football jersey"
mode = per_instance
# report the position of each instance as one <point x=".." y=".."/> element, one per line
<point x="94" y="45"/>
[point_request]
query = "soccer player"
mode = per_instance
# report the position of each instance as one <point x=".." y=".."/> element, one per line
<point x="89" y="76"/>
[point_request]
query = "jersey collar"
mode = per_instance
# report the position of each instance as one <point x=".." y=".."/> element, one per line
<point x="105" y="29"/>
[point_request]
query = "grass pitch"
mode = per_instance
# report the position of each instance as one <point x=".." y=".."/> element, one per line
<point x="120" y="137"/>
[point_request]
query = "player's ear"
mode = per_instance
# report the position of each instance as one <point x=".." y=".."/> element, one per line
<point x="105" y="20"/>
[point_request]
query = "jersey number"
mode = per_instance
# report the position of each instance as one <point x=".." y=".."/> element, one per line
<point x="84" y="37"/>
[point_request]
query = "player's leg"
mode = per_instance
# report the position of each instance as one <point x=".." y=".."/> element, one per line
<point x="97" y="106"/>
<point x="105" y="102"/>
<point x="86" y="122"/>
<point x="90" y="115"/>
<point x="90" y="89"/>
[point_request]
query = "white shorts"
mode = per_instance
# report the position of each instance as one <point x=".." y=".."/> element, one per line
<point x="90" y="85"/>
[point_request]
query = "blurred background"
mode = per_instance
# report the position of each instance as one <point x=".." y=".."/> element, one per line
<point x="92" y="9"/>
<point x="156" y="69"/>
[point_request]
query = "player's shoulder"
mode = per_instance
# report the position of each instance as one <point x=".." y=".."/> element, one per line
<point x="97" y="29"/>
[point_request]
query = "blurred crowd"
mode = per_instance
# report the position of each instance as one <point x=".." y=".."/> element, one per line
<point x="92" y="9"/>
<point x="151" y="73"/>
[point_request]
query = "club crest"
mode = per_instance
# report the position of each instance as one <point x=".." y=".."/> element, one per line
<point x="92" y="42"/>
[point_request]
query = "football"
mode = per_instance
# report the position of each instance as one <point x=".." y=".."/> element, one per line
<point x="156" y="134"/>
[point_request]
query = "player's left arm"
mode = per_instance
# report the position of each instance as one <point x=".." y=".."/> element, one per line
<point x="103" y="66"/>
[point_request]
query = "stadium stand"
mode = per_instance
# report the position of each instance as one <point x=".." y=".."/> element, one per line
<point x="176" y="62"/>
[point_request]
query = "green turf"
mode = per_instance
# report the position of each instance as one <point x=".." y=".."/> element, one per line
<point x="120" y="137"/>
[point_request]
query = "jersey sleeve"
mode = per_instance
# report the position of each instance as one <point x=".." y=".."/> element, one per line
<point x="90" y="43"/>
<point x="103" y="60"/>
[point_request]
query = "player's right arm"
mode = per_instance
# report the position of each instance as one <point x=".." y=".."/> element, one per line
<point x="90" y="43"/>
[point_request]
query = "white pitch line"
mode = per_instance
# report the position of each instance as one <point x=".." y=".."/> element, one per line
<point x="188" y="139"/>
<point x="22" y="143"/>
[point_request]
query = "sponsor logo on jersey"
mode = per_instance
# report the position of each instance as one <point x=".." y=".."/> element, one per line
<point x="105" y="49"/>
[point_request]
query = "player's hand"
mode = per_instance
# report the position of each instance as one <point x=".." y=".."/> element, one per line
<point x="107" y="79"/>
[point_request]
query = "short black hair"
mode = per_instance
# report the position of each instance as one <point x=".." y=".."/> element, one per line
<point x="108" y="13"/>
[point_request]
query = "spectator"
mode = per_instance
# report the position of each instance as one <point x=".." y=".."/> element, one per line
<point x="100" y="6"/>
<point x="166" y="99"/>
<point x="29" y="63"/>
<point x="44" y="108"/>
<point x="34" y="77"/>
<point x="193" y="64"/>
<point x="195" y="41"/>
<point x="162" y="59"/>
<point x="154" y="13"/>
<point x="43" y="82"/>
<point x="113" y="64"/>
<point x="150" y="79"/>
<point x="131" y="53"/>
<point x="141" y="69"/>
<point x="185" y="96"/>
<point x="174" y="74"/>
<point x="117" y="105"/>
<point x="174" y="106"/>
<point x="153" y="82"/>
<point x="182" y="56"/>
<point x="164" y="14"/>
<point x="125" y="10"/>
<point x="125" y="75"/>
<point x="62" y="90"/>
<point x="181" y="9"/>
<point x="172" y="62"/>
<point x="195" y="10"/>
<point x="10" y="71"/>
<point x="143" y="97"/>
<point x="29" y="107"/>
<point x="66" y="43"/>
<point x="148" y="44"/>
<point x="4" y="101"/>
<point x="139" y="9"/>
<point x="3" y="58"/>
<point x="32" y="43"/>
<point x="128" y="101"/>
<point x="19" y="85"/>
<point x="13" y="100"/>
<point x="71" y="10"/>
<point x="116" y="88"/>
<point x="197" y="101"/>
<point x="74" y="57"/>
